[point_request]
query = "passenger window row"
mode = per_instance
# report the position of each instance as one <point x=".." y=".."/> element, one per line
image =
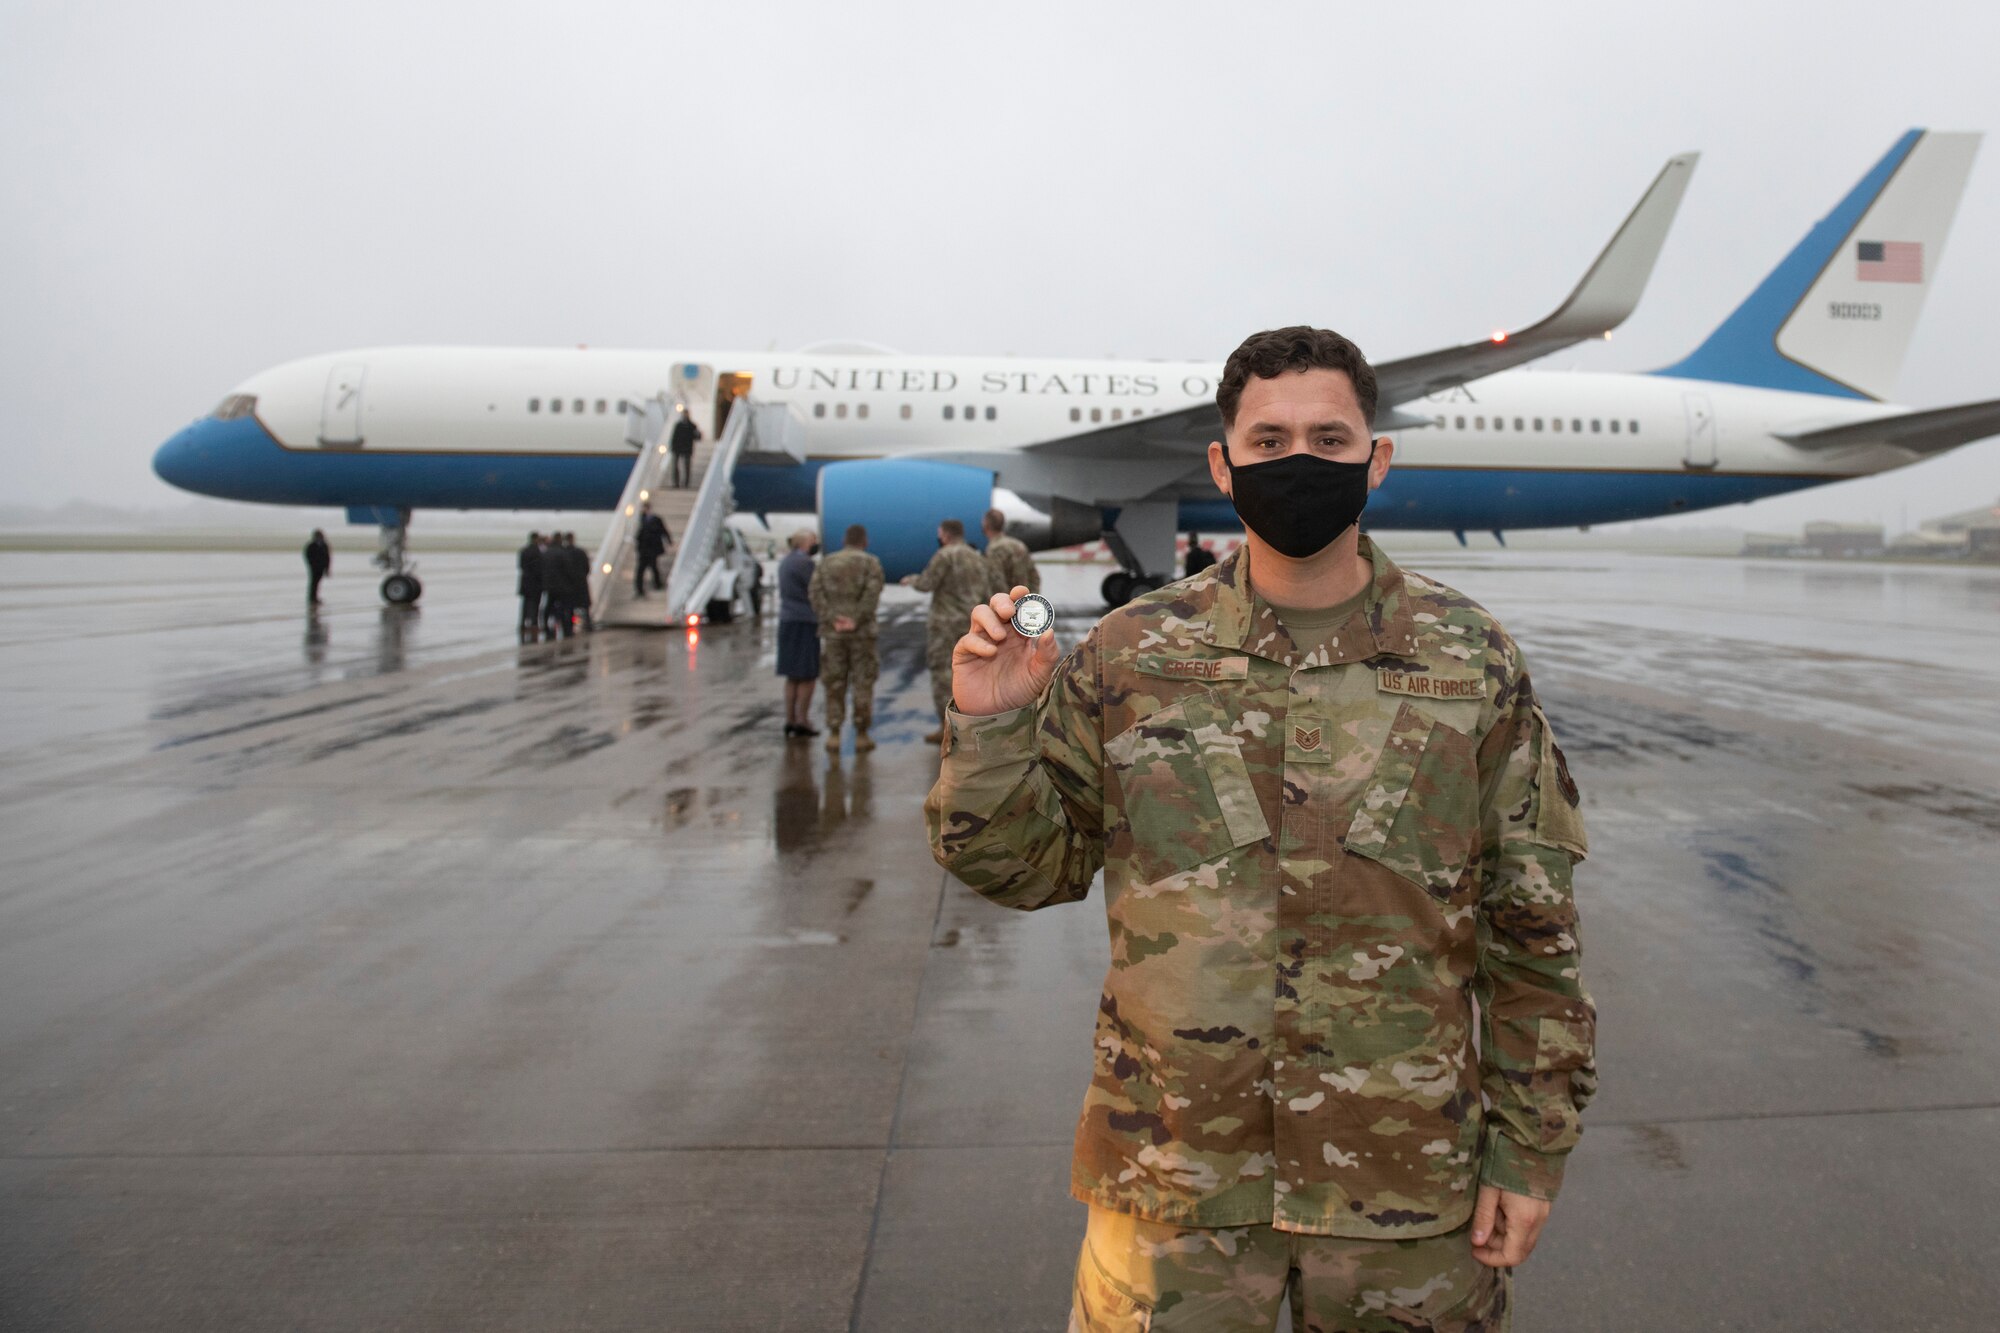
<point x="861" y="412"/>
<point x="1555" y="424"/>
<point x="578" y="406"/>
<point x="951" y="411"/>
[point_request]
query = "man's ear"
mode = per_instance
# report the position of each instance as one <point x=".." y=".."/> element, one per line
<point x="1218" y="465"/>
<point x="1378" y="464"/>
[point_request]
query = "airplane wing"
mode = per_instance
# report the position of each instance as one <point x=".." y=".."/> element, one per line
<point x="1606" y="297"/>
<point x="1609" y="292"/>
<point x="1929" y="432"/>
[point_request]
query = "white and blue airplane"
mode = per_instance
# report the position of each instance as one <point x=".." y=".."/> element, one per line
<point x="1789" y="392"/>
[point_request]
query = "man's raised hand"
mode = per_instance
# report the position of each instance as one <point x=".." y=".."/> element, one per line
<point x="994" y="668"/>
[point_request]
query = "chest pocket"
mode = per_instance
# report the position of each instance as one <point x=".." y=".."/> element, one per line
<point x="1184" y="790"/>
<point x="1418" y="813"/>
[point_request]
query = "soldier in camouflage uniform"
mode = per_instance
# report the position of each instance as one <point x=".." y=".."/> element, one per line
<point x="1013" y="567"/>
<point x="1343" y="1043"/>
<point x="958" y="579"/>
<point x="845" y="589"/>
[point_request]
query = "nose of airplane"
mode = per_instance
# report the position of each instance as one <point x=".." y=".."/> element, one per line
<point x="232" y="458"/>
<point x="179" y="461"/>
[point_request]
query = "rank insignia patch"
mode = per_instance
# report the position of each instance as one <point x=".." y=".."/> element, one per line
<point x="1563" y="779"/>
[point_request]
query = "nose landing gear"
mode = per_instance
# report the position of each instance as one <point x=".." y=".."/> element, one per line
<point x="402" y="587"/>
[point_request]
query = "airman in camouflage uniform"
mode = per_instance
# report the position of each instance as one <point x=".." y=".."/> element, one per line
<point x="958" y="579"/>
<point x="1013" y="567"/>
<point x="1344" y="1002"/>
<point x="845" y="589"/>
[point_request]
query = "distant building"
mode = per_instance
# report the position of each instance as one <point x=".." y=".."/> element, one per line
<point x="1970" y="532"/>
<point x="1957" y="525"/>
<point x="1770" y="543"/>
<point x="1844" y="539"/>
<point x="1926" y="544"/>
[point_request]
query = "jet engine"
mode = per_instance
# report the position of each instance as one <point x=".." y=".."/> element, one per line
<point x="900" y="502"/>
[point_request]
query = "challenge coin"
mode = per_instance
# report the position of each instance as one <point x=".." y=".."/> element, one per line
<point x="1033" y="616"/>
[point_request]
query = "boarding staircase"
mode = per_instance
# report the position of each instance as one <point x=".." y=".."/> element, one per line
<point x="695" y="516"/>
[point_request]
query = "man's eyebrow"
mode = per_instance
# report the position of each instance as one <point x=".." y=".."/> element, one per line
<point x="1316" y="428"/>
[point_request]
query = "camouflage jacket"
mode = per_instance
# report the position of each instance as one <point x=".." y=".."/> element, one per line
<point x="847" y="583"/>
<point x="958" y="579"/>
<point x="1012" y="565"/>
<point x="1325" y="864"/>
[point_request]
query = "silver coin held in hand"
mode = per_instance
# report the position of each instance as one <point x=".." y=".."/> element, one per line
<point x="1033" y="616"/>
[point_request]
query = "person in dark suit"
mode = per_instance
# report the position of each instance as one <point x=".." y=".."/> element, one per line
<point x="319" y="564"/>
<point x="681" y="447"/>
<point x="558" y="612"/>
<point x="578" y="561"/>
<point x="653" y="541"/>
<point x="530" y="588"/>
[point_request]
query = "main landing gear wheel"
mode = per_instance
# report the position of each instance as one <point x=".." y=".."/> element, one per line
<point x="1121" y="587"/>
<point x="401" y="589"/>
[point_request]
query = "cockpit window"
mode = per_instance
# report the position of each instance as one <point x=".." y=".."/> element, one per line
<point x="236" y="405"/>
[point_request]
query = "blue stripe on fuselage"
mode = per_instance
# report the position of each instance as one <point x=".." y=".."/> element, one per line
<point x="238" y="460"/>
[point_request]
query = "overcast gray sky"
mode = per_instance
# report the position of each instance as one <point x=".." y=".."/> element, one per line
<point x="196" y="191"/>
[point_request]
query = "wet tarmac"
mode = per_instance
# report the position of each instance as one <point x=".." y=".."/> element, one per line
<point x="370" y="971"/>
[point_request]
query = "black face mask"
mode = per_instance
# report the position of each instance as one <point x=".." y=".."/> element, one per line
<point x="1299" y="504"/>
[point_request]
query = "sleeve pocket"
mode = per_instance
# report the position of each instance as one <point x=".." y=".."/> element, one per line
<point x="1558" y="813"/>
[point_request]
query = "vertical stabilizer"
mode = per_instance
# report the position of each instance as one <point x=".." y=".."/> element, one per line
<point x="1836" y="316"/>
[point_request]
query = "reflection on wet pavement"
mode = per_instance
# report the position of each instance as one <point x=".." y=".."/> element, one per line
<point x="335" y="945"/>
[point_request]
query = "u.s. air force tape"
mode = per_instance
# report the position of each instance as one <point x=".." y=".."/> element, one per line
<point x="1033" y="616"/>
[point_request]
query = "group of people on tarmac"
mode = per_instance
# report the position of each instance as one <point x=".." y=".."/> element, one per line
<point x="555" y="578"/>
<point x="554" y="587"/>
<point x="827" y="626"/>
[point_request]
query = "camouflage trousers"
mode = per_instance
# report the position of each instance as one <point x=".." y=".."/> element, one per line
<point x="848" y="661"/>
<point x="938" y="643"/>
<point x="1136" y="1276"/>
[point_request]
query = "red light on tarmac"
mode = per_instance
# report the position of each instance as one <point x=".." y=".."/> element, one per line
<point x="694" y="620"/>
<point x="1499" y="335"/>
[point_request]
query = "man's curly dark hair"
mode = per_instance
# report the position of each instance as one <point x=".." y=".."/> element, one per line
<point x="1271" y="353"/>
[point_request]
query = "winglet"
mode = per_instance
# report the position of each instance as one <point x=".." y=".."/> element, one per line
<point x="1610" y="291"/>
<point x="1606" y="297"/>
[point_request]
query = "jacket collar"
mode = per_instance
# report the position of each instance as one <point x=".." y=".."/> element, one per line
<point x="1239" y="619"/>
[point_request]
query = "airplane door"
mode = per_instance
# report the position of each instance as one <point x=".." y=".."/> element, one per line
<point x="732" y="385"/>
<point x="340" y="409"/>
<point x="1701" y="431"/>
<point x="694" y="390"/>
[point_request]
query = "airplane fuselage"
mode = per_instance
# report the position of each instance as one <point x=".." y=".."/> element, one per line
<point x="500" y="428"/>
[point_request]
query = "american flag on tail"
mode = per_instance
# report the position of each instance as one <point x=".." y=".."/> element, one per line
<point x="1889" y="261"/>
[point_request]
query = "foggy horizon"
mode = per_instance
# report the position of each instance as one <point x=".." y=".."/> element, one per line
<point x="195" y="195"/>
